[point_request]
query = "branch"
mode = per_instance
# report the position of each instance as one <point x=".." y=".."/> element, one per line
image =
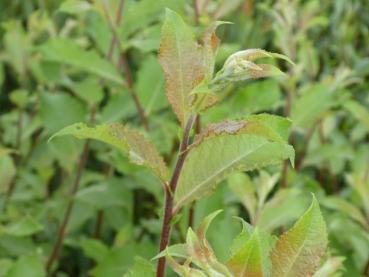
<point x="124" y="63"/>
<point x="139" y="108"/>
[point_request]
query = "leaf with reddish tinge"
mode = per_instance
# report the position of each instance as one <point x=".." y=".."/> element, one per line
<point x="298" y="252"/>
<point x="275" y="128"/>
<point x="125" y="138"/>
<point x="181" y="59"/>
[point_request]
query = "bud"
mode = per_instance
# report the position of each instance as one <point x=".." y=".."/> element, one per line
<point x="240" y="66"/>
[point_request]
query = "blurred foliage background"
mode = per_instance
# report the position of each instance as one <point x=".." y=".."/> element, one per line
<point x="58" y="67"/>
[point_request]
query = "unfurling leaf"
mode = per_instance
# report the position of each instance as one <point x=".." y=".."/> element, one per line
<point x="216" y="157"/>
<point x="181" y="59"/>
<point x="210" y="43"/>
<point x="196" y="250"/>
<point x="126" y="139"/>
<point x="200" y="251"/>
<point x="298" y="252"/>
<point x="240" y="66"/>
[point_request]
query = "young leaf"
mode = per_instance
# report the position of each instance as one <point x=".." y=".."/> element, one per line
<point x="212" y="160"/>
<point x="298" y="251"/>
<point x="248" y="261"/>
<point x="67" y="52"/>
<point x="210" y="43"/>
<point x="181" y="59"/>
<point x="126" y="139"/>
<point x="201" y="252"/>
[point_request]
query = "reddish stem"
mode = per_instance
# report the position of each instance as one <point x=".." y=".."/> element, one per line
<point x="169" y="193"/>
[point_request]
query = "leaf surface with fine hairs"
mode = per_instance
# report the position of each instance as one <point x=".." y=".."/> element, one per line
<point x="216" y="157"/>
<point x="181" y="59"/>
<point x="298" y="252"/>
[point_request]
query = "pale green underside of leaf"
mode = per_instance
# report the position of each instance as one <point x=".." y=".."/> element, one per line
<point x="67" y="52"/>
<point x="214" y="159"/>
<point x="298" y="251"/>
<point x="126" y="139"/>
<point x="181" y="59"/>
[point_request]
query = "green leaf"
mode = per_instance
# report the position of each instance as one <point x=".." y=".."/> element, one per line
<point x="359" y="111"/>
<point x="298" y="252"/>
<point x="94" y="249"/>
<point x="24" y="227"/>
<point x="108" y="194"/>
<point x="75" y="6"/>
<point x="16" y="44"/>
<point x="30" y="266"/>
<point x="199" y="250"/>
<point x="126" y="139"/>
<point x="140" y="268"/>
<point x="241" y="185"/>
<point x="5" y="151"/>
<point x="53" y="111"/>
<point x="181" y="60"/>
<point x="67" y="52"/>
<point x="150" y="85"/>
<point x="210" y="43"/>
<point x="89" y="89"/>
<point x="176" y="250"/>
<point x="315" y="100"/>
<point x="274" y="128"/>
<point x="345" y="207"/>
<point x="227" y="153"/>
<point x="285" y="206"/>
<point x="19" y="97"/>
<point x="362" y="188"/>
